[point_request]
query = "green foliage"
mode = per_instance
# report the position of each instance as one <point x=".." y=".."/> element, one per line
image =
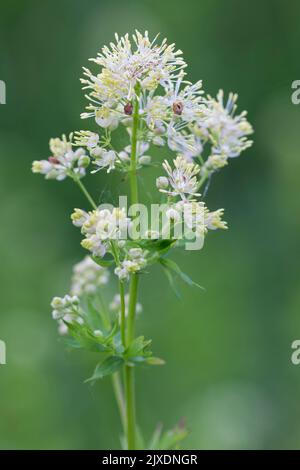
<point x="170" y="269"/>
<point x="138" y="352"/>
<point x="104" y="262"/>
<point x="109" y="366"/>
<point x="109" y="343"/>
<point x="158" y="248"/>
<point x="84" y="338"/>
<point x="168" y="440"/>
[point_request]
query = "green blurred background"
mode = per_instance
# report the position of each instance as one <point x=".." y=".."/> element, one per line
<point x="228" y="370"/>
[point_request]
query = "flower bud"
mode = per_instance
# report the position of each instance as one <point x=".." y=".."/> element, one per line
<point x="37" y="166"/>
<point x="79" y="217"/>
<point x="74" y="300"/>
<point x="92" y="140"/>
<point x="58" y="314"/>
<point x="135" y="252"/>
<point x="97" y="152"/>
<point x="98" y="333"/>
<point x="87" y="244"/>
<point x="58" y="303"/>
<point x="158" y="140"/>
<point x="178" y="108"/>
<point x="173" y="214"/>
<point x="162" y="182"/>
<point x="128" y="108"/>
<point x="84" y="161"/>
<point x="145" y="160"/>
<point x="53" y="160"/>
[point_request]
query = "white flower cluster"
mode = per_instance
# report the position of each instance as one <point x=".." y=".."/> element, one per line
<point x="226" y="131"/>
<point x="133" y="262"/>
<point x="124" y="66"/>
<point x="213" y="220"/>
<point x="191" y="213"/>
<point x="181" y="180"/>
<point x="195" y="216"/>
<point x="109" y="159"/>
<point x="88" y="277"/>
<point x="63" y="162"/>
<point x="63" y="305"/>
<point x="173" y="111"/>
<point x="141" y="84"/>
<point x="65" y="309"/>
<point x="100" y="227"/>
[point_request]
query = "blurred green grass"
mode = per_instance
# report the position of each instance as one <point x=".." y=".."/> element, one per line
<point x="227" y="349"/>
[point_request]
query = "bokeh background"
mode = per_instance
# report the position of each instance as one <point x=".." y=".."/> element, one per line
<point x="228" y="371"/>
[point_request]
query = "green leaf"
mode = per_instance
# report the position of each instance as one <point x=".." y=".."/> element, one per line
<point x="110" y="365"/>
<point x="113" y="331"/>
<point x="161" y="245"/>
<point x="102" y="262"/>
<point x="170" y="278"/>
<point x="138" y="352"/>
<point x="137" y="347"/>
<point x="118" y="344"/>
<point x="154" y="441"/>
<point x="155" y="361"/>
<point x="70" y="343"/>
<point x="172" y="266"/>
<point x="171" y="439"/>
<point x="84" y="337"/>
<point x="92" y="315"/>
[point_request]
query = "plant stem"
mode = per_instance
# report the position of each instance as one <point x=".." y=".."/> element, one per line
<point x="133" y="159"/>
<point x="129" y="371"/>
<point x="130" y="407"/>
<point x="122" y="319"/>
<point x="118" y="391"/>
<point x="202" y="180"/>
<point x="132" y="307"/>
<point x="122" y="293"/>
<point x="85" y="192"/>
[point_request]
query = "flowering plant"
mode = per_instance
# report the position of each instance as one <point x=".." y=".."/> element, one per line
<point x="140" y="86"/>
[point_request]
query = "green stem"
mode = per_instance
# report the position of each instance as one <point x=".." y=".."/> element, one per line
<point x="85" y="192"/>
<point x="133" y="160"/>
<point x="132" y="308"/>
<point x="121" y="291"/>
<point x="130" y="407"/>
<point x="118" y="391"/>
<point x="129" y="371"/>
<point x="122" y="319"/>
<point x="202" y="180"/>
